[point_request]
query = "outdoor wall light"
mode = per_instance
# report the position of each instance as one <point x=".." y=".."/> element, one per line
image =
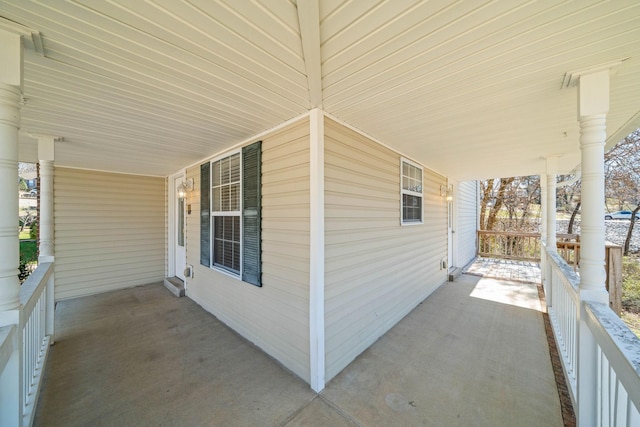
<point x="446" y="191"/>
<point x="185" y="187"/>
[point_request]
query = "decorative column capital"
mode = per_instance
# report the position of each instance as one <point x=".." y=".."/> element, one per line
<point x="46" y="145"/>
<point x="593" y="94"/>
<point x="11" y="54"/>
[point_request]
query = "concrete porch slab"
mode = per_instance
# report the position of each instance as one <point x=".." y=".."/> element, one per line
<point x="142" y="357"/>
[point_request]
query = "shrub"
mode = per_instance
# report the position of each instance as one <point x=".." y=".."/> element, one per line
<point x="28" y="259"/>
<point x="33" y="234"/>
<point x="23" y="271"/>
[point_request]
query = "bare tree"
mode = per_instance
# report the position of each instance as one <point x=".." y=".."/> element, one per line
<point x="498" y="203"/>
<point x="622" y="174"/>
<point x="486" y="188"/>
<point x="513" y="197"/>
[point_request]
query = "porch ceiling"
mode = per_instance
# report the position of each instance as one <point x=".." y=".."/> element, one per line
<point x="471" y="89"/>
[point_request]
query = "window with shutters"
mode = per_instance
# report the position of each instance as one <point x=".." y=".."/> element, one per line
<point x="230" y="222"/>
<point x="411" y="192"/>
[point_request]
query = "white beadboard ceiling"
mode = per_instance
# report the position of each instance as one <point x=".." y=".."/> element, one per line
<point x="472" y="89"/>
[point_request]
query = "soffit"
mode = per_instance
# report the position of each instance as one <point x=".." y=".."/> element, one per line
<point x="471" y="89"/>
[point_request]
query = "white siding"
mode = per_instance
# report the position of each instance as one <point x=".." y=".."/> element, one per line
<point x="276" y="316"/>
<point x="376" y="270"/>
<point x="466" y="202"/>
<point x="109" y="231"/>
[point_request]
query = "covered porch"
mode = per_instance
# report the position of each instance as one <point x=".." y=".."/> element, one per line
<point x="474" y="353"/>
<point x="356" y="131"/>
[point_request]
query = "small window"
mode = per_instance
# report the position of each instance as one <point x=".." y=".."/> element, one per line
<point x="411" y="191"/>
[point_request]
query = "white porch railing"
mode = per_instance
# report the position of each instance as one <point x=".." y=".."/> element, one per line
<point x="609" y="376"/>
<point x="24" y="347"/>
<point x="563" y="301"/>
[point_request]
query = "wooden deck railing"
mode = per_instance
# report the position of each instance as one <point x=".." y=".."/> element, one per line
<point x="509" y="245"/>
<point x="526" y="247"/>
<point x="24" y="346"/>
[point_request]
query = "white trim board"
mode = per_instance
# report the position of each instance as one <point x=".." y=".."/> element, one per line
<point x="316" y="256"/>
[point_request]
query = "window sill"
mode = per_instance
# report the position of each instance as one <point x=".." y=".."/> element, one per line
<point x="226" y="272"/>
<point x="412" y="223"/>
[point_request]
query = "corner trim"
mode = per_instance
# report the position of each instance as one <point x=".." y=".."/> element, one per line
<point x="316" y="256"/>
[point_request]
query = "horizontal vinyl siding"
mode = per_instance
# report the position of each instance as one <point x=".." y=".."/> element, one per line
<point x="276" y="316"/>
<point x="376" y="271"/>
<point x="467" y="222"/>
<point x="110" y="231"/>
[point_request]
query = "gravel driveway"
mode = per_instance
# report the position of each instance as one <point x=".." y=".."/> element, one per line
<point x="616" y="231"/>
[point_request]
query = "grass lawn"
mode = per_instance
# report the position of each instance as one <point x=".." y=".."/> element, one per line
<point x="29" y="250"/>
<point x="25" y="234"/>
<point x="631" y="293"/>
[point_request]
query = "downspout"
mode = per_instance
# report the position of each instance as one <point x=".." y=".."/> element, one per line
<point x="578" y="174"/>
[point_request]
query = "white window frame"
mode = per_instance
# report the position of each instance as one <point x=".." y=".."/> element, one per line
<point x="214" y="214"/>
<point x="411" y="193"/>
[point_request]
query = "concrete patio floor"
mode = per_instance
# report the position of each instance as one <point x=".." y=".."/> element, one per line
<point x="474" y="353"/>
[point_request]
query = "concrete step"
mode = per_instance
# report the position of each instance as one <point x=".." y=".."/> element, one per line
<point x="454" y="273"/>
<point x="175" y="286"/>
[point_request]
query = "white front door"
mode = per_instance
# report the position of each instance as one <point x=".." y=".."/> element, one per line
<point x="179" y="238"/>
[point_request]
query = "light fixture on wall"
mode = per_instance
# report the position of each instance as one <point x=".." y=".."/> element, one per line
<point x="185" y="187"/>
<point x="446" y="191"/>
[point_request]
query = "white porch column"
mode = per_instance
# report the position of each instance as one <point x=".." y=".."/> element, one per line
<point x="10" y="92"/>
<point x="552" y="169"/>
<point x="593" y="108"/>
<point x="543" y="239"/>
<point x="593" y="105"/>
<point x="46" y="246"/>
<point x="46" y="157"/>
<point x="543" y="207"/>
<point x="11" y="400"/>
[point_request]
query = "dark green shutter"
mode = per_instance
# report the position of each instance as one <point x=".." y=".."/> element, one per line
<point x="205" y="215"/>
<point x="251" y="215"/>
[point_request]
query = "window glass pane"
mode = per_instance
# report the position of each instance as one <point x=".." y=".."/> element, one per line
<point x="224" y="198"/>
<point x="224" y="171"/>
<point x="411" y="208"/>
<point x="227" y="232"/>
<point x="215" y="198"/>
<point x="234" y="197"/>
<point x="181" y="221"/>
<point x="226" y="247"/>
<point x="226" y="184"/>
<point x="411" y="178"/>
<point x="215" y="174"/>
<point x="234" y="168"/>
